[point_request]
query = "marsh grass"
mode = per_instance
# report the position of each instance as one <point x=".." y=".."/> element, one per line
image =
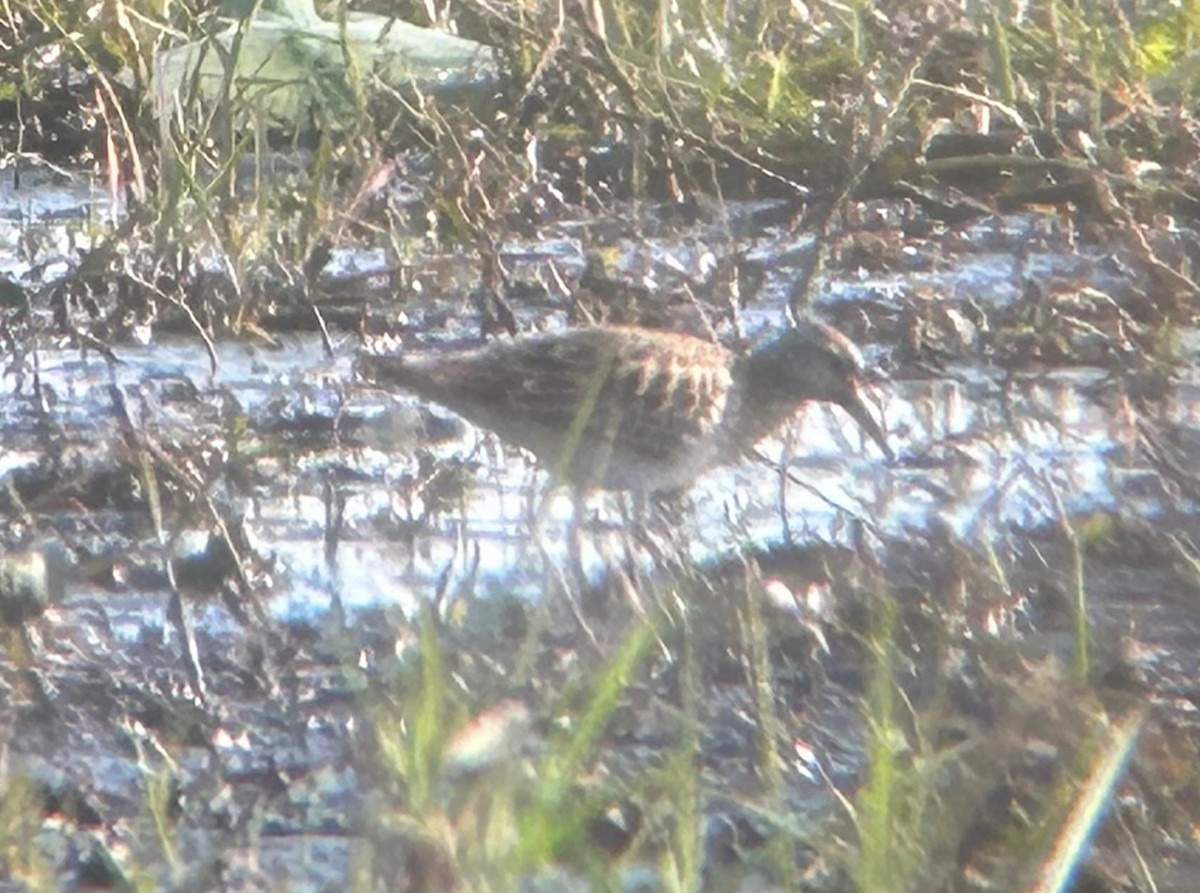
<point x="1103" y="770"/>
<point x="704" y="95"/>
<point x="160" y="795"/>
<point x="518" y="813"/>
<point x="912" y="820"/>
<point x="20" y="823"/>
<point x="756" y="640"/>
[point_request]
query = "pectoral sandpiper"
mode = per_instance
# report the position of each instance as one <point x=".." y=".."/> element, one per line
<point x="634" y="409"/>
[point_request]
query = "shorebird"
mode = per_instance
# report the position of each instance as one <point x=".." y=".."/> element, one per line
<point x="623" y="408"/>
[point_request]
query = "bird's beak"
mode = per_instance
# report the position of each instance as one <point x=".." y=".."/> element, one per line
<point x="857" y="407"/>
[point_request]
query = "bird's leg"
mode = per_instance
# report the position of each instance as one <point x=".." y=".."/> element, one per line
<point x="575" y="540"/>
<point x="630" y="529"/>
<point x="571" y="581"/>
<point x="651" y="530"/>
<point x="789" y="441"/>
<point x="576" y="575"/>
<point x="595" y="588"/>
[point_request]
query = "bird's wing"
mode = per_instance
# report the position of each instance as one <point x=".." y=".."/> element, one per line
<point x="668" y="393"/>
<point x="601" y="389"/>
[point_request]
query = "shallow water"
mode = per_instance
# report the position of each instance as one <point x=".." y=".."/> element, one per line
<point x="979" y="453"/>
<point x="979" y="449"/>
<point x="353" y="499"/>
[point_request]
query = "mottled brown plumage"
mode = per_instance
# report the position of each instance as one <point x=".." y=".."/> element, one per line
<point x="629" y="408"/>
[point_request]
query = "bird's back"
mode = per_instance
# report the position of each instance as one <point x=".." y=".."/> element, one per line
<point x="623" y="408"/>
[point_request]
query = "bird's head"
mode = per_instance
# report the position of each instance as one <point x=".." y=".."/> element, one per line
<point x="812" y="361"/>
